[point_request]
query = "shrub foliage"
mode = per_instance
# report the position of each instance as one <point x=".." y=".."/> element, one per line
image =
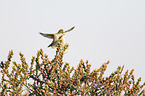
<point x="44" y="77"/>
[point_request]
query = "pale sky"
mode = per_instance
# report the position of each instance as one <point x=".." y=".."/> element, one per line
<point x="104" y="30"/>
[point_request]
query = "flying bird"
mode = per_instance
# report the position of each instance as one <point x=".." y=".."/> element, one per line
<point x="58" y="38"/>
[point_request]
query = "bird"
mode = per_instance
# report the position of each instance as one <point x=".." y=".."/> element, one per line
<point x="58" y="38"/>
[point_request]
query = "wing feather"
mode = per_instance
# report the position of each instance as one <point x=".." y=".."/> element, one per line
<point x="70" y="29"/>
<point x="51" y="36"/>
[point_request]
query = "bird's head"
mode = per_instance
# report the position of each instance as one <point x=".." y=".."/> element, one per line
<point x="60" y="31"/>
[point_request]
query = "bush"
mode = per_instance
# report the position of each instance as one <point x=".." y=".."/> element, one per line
<point x="44" y="77"/>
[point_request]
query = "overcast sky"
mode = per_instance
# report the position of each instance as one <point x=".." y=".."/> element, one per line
<point x="104" y="30"/>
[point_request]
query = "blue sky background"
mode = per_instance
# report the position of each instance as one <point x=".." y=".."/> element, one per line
<point x="104" y="30"/>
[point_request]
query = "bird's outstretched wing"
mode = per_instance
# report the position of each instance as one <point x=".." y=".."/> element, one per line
<point x="51" y="36"/>
<point x="70" y="29"/>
